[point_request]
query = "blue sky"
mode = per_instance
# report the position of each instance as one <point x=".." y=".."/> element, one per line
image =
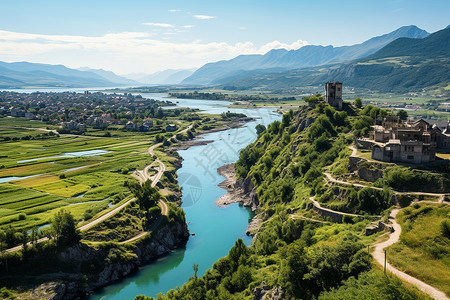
<point x="146" y="36"/>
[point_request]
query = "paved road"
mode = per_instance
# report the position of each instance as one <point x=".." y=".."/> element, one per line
<point x="378" y="255"/>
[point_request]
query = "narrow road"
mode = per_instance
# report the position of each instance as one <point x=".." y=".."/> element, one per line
<point x="105" y="216"/>
<point x="142" y="234"/>
<point x="354" y="150"/>
<point x="317" y="204"/>
<point x="378" y="255"/>
<point x="330" y="178"/>
<point x="82" y="228"/>
<point x="161" y="169"/>
<point x="142" y="176"/>
<point x="441" y="196"/>
<point x="294" y="216"/>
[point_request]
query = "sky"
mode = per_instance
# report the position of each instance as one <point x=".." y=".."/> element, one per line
<point x="145" y="36"/>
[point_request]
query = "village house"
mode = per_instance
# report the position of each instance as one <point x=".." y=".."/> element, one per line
<point x="171" y="127"/>
<point x="409" y="142"/>
<point x="148" y="122"/>
<point x="130" y="126"/>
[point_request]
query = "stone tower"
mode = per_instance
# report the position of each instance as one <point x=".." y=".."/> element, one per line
<point x="333" y="94"/>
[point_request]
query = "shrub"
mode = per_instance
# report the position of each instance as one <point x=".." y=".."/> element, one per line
<point x="445" y="228"/>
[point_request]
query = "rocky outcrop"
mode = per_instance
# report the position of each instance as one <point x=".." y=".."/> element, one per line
<point x="268" y="293"/>
<point x="168" y="237"/>
<point x="378" y="226"/>
<point x="248" y="188"/>
<point x="353" y="163"/>
<point x="238" y="191"/>
<point x="305" y="123"/>
<point x="368" y="171"/>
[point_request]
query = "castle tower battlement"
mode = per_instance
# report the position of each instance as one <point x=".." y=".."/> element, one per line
<point x="333" y="94"/>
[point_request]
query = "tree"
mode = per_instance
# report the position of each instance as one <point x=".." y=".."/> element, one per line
<point x="195" y="268"/>
<point x="63" y="228"/>
<point x="358" y="102"/>
<point x="2" y="242"/>
<point x="146" y="195"/>
<point x="402" y="114"/>
<point x="260" y="129"/>
<point x="313" y="99"/>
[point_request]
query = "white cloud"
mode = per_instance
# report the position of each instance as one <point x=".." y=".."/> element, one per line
<point x="174" y="10"/>
<point x="188" y="26"/>
<point x="123" y="52"/>
<point x="204" y="17"/>
<point x="161" y="25"/>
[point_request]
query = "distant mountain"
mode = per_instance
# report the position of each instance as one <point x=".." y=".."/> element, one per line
<point x="169" y="76"/>
<point x="111" y="76"/>
<point x="307" y="56"/>
<point x="25" y="74"/>
<point x="406" y="64"/>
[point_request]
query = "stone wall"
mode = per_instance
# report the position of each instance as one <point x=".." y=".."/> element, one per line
<point x="364" y="144"/>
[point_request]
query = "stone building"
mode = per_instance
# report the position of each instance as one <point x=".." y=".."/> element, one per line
<point x="333" y="94"/>
<point x="414" y="142"/>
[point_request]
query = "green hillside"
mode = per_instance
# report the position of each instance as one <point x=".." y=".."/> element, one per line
<point x="296" y="252"/>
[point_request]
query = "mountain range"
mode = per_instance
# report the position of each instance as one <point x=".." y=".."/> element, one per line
<point x="406" y="59"/>
<point x="405" y="64"/>
<point x="26" y="74"/>
<point x="165" y="77"/>
<point x="307" y="56"/>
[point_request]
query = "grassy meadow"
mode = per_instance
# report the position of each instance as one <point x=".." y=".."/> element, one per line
<point x="424" y="247"/>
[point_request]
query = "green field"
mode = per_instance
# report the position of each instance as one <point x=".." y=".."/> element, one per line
<point x="424" y="247"/>
<point x="88" y="182"/>
<point x="78" y="184"/>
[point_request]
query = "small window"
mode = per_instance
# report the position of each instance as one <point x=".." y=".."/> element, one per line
<point x="410" y="156"/>
<point x="338" y="89"/>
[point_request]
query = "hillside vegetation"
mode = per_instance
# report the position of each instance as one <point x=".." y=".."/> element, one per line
<point x="296" y="253"/>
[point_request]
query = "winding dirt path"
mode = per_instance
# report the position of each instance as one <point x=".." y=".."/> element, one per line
<point x="440" y="195"/>
<point x="135" y="238"/>
<point x="142" y="176"/>
<point x="317" y="204"/>
<point x="81" y="228"/>
<point x="378" y="255"/>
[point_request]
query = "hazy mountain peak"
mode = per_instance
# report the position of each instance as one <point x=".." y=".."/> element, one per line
<point x="307" y="56"/>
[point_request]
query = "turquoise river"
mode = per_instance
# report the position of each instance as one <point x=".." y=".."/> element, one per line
<point x="216" y="228"/>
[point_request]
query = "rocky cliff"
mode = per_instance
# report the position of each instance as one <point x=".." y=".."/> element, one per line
<point x="112" y="262"/>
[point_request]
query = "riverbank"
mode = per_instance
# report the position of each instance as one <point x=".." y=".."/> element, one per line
<point x="184" y="145"/>
<point x="238" y="191"/>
